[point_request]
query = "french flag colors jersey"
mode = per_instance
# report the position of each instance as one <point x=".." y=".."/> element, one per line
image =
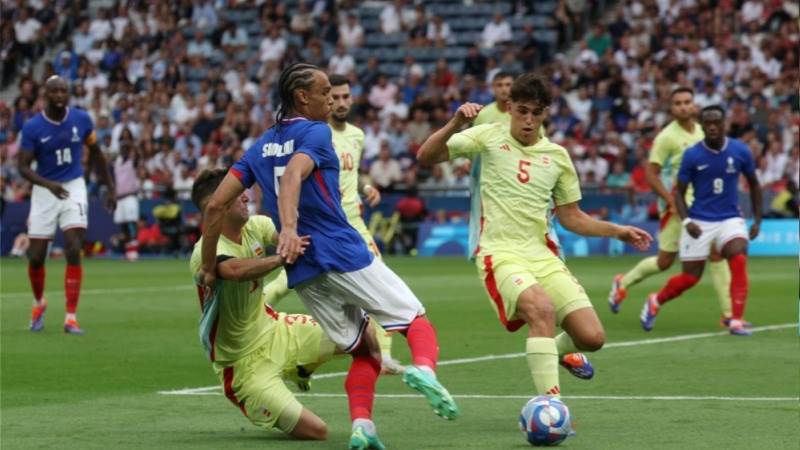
<point x="715" y="178"/>
<point x="335" y="244"/>
<point x="58" y="146"/>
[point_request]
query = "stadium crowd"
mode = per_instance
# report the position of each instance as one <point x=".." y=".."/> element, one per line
<point x="184" y="82"/>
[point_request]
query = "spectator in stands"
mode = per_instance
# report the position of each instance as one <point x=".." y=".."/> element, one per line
<point x="438" y="180"/>
<point x="619" y="178"/>
<point x="326" y="29"/>
<point x="438" y="33"/>
<point x="234" y="38"/>
<point x="273" y="46"/>
<point x="382" y="93"/>
<point x="396" y="17"/>
<point x="418" y="31"/>
<point x="28" y="35"/>
<point x="474" y="63"/>
<point x="82" y="40"/>
<point x="385" y="171"/>
<point x="496" y="31"/>
<point x="599" y="40"/>
<point x="412" y="213"/>
<point x="442" y="76"/>
<point x="351" y="33"/>
<point x="302" y="22"/>
<point x="341" y="63"/>
<point x="594" y="163"/>
<point x="204" y="16"/>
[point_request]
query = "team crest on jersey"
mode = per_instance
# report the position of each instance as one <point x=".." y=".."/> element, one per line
<point x="75" y="137"/>
<point x="257" y="249"/>
<point x="505" y="148"/>
<point x="731" y="168"/>
<point x="545" y="160"/>
<point x="518" y="281"/>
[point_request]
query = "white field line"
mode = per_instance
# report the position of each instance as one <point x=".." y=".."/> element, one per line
<point x="215" y="390"/>
<point x="130" y="290"/>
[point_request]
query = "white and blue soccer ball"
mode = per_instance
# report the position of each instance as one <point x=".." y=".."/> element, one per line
<point x="545" y="421"/>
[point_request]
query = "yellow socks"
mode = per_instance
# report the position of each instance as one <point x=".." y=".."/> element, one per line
<point x="384" y="338"/>
<point x="542" y="358"/>
<point x="642" y="270"/>
<point x="721" y="278"/>
<point x="564" y="344"/>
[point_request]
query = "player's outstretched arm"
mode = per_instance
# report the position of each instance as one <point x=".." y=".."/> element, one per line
<point x="98" y="160"/>
<point x="289" y="243"/>
<point x="434" y="149"/>
<point x="756" y="200"/>
<point x="227" y="192"/>
<point x="247" y="269"/>
<point x="577" y="221"/>
<point x="24" y="167"/>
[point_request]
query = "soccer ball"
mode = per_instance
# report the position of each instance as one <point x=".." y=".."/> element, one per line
<point x="545" y="421"/>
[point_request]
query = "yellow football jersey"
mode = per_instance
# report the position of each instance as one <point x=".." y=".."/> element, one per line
<point x="667" y="152"/>
<point x="235" y="321"/>
<point x="516" y="184"/>
<point x="349" y="145"/>
<point x="491" y="114"/>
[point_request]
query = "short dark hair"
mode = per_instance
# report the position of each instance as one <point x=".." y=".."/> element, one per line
<point x="681" y="89"/>
<point x="531" y="87"/>
<point x="712" y="108"/>
<point x="502" y="74"/>
<point x="338" y="80"/>
<point x="205" y="185"/>
<point x="296" y="76"/>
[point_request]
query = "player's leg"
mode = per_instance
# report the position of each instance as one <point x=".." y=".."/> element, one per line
<point x="37" y="253"/>
<point x="721" y="280"/>
<point x="346" y="325"/>
<point x="668" y="238"/>
<point x="733" y="241"/>
<point x="308" y="427"/>
<point x="387" y="299"/>
<point x="576" y="316"/>
<point x="276" y="289"/>
<point x="73" y="275"/>
<point x="42" y="222"/>
<point x="389" y="365"/>
<point x="694" y="252"/>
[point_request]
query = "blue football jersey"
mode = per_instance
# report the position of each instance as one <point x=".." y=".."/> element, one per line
<point x="57" y="146"/>
<point x="715" y="178"/>
<point x="335" y="244"/>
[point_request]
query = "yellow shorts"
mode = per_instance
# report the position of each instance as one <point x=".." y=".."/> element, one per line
<point x="254" y="383"/>
<point x="669" y="232"/>
<point x="505" y="277"/>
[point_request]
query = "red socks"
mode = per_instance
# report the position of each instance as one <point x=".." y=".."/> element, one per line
<point x="675" y="287"/>
<point x="72" y="286"/>
<point x="739" y="285"/>
<point x="36" y="275"/>
<point x="422" y="342"/>
<point x="360" y="385"/>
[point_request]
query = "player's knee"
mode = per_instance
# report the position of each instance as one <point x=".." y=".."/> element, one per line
<point x="665" y="261"/>
<point x="593" y="341"/>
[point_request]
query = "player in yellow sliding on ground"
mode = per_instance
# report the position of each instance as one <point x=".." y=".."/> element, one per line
<point x="526" y="281"/>
<point x="348" y="141"/>
<point x="253" y="348"/>
<point x="662" y="172"/>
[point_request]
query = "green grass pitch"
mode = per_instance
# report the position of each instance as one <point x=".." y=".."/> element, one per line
<point x="101" y="390"/>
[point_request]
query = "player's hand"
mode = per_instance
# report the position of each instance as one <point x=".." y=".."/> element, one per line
<point x="694" y="230"/>
<point x="207" y="278"/>
<point x="58" y="190"/>
<point x="636" y="237"/>
<point x="290" y="245"/>
<point x="755" y="229"/>
<point x="466" y="113"/>
<point x="110" y="201"/>
<point x="373" y="195"/>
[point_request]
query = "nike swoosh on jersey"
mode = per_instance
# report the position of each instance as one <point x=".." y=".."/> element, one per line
<point x="45" y="139"/>
<point x="703" y="167"/>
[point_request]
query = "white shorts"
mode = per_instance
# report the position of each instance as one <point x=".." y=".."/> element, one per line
<point x="48" y="211"/>
<point x="339" y="302"/>
<point x="714" y="233"/>
<point x="127" y="209"/>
